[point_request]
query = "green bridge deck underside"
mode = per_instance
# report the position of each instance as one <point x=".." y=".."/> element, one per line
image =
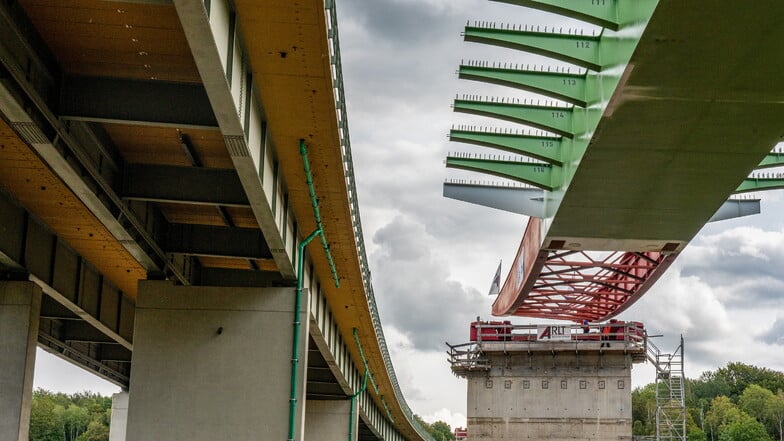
<point x="701" y="104"/>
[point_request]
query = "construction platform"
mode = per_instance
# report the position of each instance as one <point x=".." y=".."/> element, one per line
<point x="554" y="382"/>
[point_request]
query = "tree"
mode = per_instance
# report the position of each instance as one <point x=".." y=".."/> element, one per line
<point x="774" y="412"/>
<point x="644" y="410"/>
<point x="754" y="400"/>
<point x="75" y="421"/>
<point x="738" y="376"/>
<point x="693" y="431"/>
<point x="722" y="413"/>
<point x="443" y="429"/>
<point x="82" y="416"/>
<point x="45" y="423"/>
<point x="96" y="431"/>
<point x="744" y="429"/>
<point x="440" y="431"/>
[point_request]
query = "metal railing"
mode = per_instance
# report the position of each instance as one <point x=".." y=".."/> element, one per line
<point x="504" y="336"/>
<point x="348" y="167"/>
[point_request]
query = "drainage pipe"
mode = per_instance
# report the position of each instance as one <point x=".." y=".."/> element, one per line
<point x="316" y="213"/>
<point x="319" y="231"/>
<point x="353" y="406"/>
<point x="295" y="338"/>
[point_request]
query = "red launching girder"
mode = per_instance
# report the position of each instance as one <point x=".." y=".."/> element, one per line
<point x="575" y="284"/>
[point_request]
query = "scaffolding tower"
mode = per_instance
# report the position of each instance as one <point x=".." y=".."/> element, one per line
<point x="670" y="396"/>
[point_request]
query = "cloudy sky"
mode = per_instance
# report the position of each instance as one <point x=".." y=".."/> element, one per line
<point x="433" y="258"/>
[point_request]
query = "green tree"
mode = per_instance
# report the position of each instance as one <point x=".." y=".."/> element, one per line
<point x="693" y="431"/>
<point x="738" y="376"/>
<point x="774" y="413"/>
<point x="723" y="412"/>
<point x="96" y="431"/>
<point x="75" y="421"/>
<point x="644" y="410"/>
<point x="746" y="428"/>
<point x="443" y="430"/>
<point x="440" y="431"/>
<point x="753" y="401"/>
<point x="45" y="423"/>
<point x="83" y="416"/>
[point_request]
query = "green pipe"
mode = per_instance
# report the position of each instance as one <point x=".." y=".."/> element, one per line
<point x="364" y="360"/>
<point x="295" y="338"/>
<point x="353" y="400"/>
<point x="300" y="282"/>
<point x="316" y="213"/>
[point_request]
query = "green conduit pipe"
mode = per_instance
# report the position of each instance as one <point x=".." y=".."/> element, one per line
<point x="353" y="406"/>
<point x="295" y="338"/>
<point x="300" y="282"/>
<point x="364" y="360"/>
<point x="314" y="201"/>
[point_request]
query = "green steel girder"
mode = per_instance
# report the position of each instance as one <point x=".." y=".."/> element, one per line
<point x="546" y="148"/>
<point x="772" y="159"/>
<point x="611" y="14"/>
<point x="569" y="87"/>
<point x="582" y="50"/>
<point x="751" y="184"/>
<point x="560" y="120"/>
<point x="544" y="176"/>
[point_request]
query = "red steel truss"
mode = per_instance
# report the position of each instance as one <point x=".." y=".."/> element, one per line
<point x="574" y="284"/>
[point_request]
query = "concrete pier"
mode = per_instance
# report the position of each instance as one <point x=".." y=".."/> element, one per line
<point x="526" y="385"/>
<point x="214" y="363"/>
<point x="119" y="423"/>
<point x="327" y="420"/>
<point x="20" y="305"/>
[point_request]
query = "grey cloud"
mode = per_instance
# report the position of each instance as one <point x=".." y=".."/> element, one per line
<point x="398" y="22"/>
<point x="416" y="294"/>
<point x="743" y="264"/>
<point x="775" y="335"/>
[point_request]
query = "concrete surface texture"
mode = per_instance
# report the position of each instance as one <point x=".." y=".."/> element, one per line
<point x="214" y="363"/>
<point x="327" y="420"/>
<point x="119" y="423"/>
<point x="559" y="396"/>
<point x="20" y="305"/>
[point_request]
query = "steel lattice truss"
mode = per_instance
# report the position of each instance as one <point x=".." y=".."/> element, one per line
<point x="577" y="285"/>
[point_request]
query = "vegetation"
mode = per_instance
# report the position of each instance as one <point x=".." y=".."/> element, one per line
<point x="82" y="416"/>
<point x="440" y="431"/>
<point x="738" y="402"/>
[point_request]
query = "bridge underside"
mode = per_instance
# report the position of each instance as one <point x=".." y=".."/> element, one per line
<point x="160" y="140"/>
<point x="679" y="126"/>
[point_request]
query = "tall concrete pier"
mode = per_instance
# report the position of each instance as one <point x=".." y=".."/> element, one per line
<point x="549" y="382"/>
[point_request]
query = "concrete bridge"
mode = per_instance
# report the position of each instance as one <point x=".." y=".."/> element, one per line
<point x="163" y="167"/>
<point x="651" y="119"/>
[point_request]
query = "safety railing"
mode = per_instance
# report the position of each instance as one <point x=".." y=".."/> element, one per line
<point x="348" y="167"/>
<point x="504" y="336"/>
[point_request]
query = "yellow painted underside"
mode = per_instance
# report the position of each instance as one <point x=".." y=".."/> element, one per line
<point x="299" y="103"/>
<point x="24" y="176"/>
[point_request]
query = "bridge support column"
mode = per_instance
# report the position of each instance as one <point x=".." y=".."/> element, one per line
<point x="119" y="423"/>
<point x="20" y="306"/>
<point x="550" y="382"/>
<point x="558" y="396"/>
<point x="328" y="420"/>
<point x="214" y="363"/>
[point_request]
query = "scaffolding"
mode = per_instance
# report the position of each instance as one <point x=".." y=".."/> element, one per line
<point x="670" y="396"/>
